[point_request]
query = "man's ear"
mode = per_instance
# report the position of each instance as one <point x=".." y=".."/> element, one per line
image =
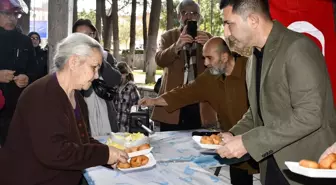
<point x="224" y="57"/>
<point x="179" y="16"/>
<point x="253" y="20"/>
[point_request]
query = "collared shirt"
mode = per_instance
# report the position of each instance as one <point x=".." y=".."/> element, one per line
<point x="259" y="56"/>
<point x="227" y="95"/>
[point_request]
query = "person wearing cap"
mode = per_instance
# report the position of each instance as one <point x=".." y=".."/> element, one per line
<point x="102" y="113"/>
<point x="41" y="56"/>
<point x="16" y="61"/>
<point x="176" y="50"/>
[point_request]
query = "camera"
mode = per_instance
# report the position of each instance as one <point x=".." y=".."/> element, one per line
<point x="192" y="28"/>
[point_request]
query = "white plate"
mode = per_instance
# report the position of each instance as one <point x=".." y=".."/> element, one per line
<point x="120" y="138"/>
<point x="310" y="172"/>
<point x="141" y="152"/>
<point x="197" y="139"/>
<point x="151" y="163"/>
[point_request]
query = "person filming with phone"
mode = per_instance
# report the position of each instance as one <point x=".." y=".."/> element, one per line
<point x="180" y="55"/>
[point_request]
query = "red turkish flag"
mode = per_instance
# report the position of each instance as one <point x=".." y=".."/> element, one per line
<point x="315" y="19"/>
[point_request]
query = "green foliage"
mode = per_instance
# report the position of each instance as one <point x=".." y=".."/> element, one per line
<point x="163" y="16"/>
<point x="91" y="15"/>
<point x="124" y="30"/>
<point x="217" y="23"/>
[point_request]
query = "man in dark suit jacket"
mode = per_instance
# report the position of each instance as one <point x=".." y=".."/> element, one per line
<point x="291" y="115"/>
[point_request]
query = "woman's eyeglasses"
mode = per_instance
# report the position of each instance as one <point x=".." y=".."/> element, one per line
<point x="91" y="34"/>
<point x="11" y="14"/>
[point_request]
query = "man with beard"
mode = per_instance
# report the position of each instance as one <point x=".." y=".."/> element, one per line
<point x="223" y="86"/>
<point x="16" y="62"/>
<point x="180" y="55"/>
<point x="289" y="91"/>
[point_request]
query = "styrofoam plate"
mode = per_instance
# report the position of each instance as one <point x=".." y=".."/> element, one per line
<point x="151" y="163"/>
<point x="310" y="172"/>
<point x="197" y="139"/>
<point x="141" y="152"/>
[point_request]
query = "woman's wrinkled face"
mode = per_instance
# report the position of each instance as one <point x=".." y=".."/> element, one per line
<point x="87" y="70"/>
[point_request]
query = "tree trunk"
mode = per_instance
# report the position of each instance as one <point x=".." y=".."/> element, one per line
<point x="99" y="12"/>
<point x="59" y="24"/>
<point x="107" y="34"/>
<point x="170" y="14"/>
<point x="23" y="22"/>
<point x="144" y="30"/>
<point x="211" y="16"/>
<point x="154" y="22"/>
<point x="115" y="27"/>
<point x="132" y="34"/>
<point x="75" y="11"/>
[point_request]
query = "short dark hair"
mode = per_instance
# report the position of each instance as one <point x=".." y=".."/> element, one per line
<point x="88" y="23"/>
<point x="242" y="7"/>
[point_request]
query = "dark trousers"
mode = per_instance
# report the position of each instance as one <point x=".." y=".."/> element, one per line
<point x="273" y="173"/>
<point x="240" y="176"/>
<point x="4" y="126"/>
<point x="190" y="118"/>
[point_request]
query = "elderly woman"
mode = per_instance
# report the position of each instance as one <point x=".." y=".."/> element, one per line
<point x="48" y="143"/>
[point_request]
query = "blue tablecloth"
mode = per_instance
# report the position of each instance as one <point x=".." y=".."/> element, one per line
<point x="179" y="161"/>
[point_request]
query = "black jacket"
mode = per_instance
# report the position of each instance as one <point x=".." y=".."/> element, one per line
<point x="41" y="64"/>
<point x="112" y="77"/>
<point x="16" y="53"/>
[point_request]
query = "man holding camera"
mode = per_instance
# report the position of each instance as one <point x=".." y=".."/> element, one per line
<point x="180" y="54"/>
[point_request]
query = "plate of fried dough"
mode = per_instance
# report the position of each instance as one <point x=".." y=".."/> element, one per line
<point x="137" y="163"/>
<point x="139" y="150"/>
<point x="326" y="168"/>
<point x="208" y="142"/>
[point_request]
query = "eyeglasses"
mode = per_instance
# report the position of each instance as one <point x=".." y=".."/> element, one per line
<point x="91" y="34"/>
<point x="193" y="14"/>
<point x="34" y="38"/>
<point x="11" y="14"/>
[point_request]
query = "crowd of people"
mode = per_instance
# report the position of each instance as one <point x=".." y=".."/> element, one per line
<point x="264" y="86"/>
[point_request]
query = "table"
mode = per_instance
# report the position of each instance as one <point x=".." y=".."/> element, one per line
<point x="179" y="161"/>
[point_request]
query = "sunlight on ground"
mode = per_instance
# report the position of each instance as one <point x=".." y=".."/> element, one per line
<point x="140" y="72"/>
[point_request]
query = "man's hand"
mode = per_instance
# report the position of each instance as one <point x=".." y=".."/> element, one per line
<point x="183" y="39"/>
<point x="6" y="75"/>
<point x="226" y="137"/>
<point x="21" y="80"/>
<point x="202" y="37"/>
<point x="152" y="101"/>
<point x="233" y="148"/>
<point x="330" y="150"/>
<point x="116" y="155"/>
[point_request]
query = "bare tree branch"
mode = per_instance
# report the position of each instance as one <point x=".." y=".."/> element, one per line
<point x="126" y="4"/>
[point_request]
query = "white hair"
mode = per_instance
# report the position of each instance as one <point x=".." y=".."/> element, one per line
<point x="186" y="3"/>
<point x="75" y="44"/>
